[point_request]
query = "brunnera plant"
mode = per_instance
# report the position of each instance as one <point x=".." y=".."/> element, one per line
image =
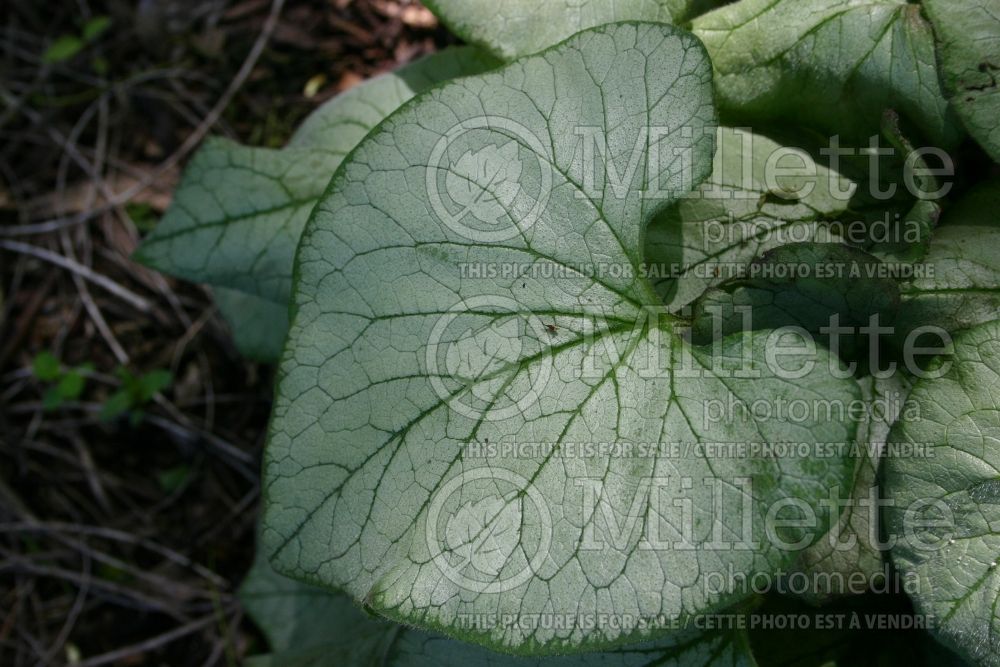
<point x="584" y="328"/>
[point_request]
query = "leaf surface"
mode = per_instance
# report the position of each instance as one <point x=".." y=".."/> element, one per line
<point x="851" y="548"/>
<point x="313" y="627"/>
<point x="960" y="284"/>
<point x="834" y="65"/>
<point x="381" y="435"/>
<point x="803" y="285"/>
<point x="516" y="28"/>
<point x="258" y="326"/>
<point x="742" y="210"/>
<point x="807" y="285"/>
<point x="945" y="513"/>
<point x="968" y="35"/>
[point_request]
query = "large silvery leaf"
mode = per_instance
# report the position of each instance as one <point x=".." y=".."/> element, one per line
<point x="515" y="28"/>
<point x="760" y="195"/>
<point x="493" y="418"/>
<point x="239" y="211"/>
<point x="834" y="65"/>
<point x="960" y="285"/>
<point x="308" y="626"/>
<point x="968" y="34"/>
<point x="946" y="499"/>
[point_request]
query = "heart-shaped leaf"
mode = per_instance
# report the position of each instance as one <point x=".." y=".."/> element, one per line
<point x="594" y="423"/>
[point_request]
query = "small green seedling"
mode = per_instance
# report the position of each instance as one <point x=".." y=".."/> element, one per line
<point x="66" y="385"/>
<point x="135" y="393"/>
<point x="67" y="46"/>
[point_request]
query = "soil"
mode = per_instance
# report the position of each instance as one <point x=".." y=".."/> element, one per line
<point x="124" y="538"/>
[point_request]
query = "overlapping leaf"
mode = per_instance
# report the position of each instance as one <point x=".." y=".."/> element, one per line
<point x="743" y="209"/>
<point x="812" y="286"/>
<point x="258" y="326"/>
<point x="849" y="558"/>
<point x="834" y="65"/>
<point x="968" y="35"/>
<point x="959" y="286"/>
<point x="517" y="28"/>
<point x="945" y="512"/>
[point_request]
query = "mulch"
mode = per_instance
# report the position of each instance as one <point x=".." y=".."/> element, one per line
<point x="124" y="538"/>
